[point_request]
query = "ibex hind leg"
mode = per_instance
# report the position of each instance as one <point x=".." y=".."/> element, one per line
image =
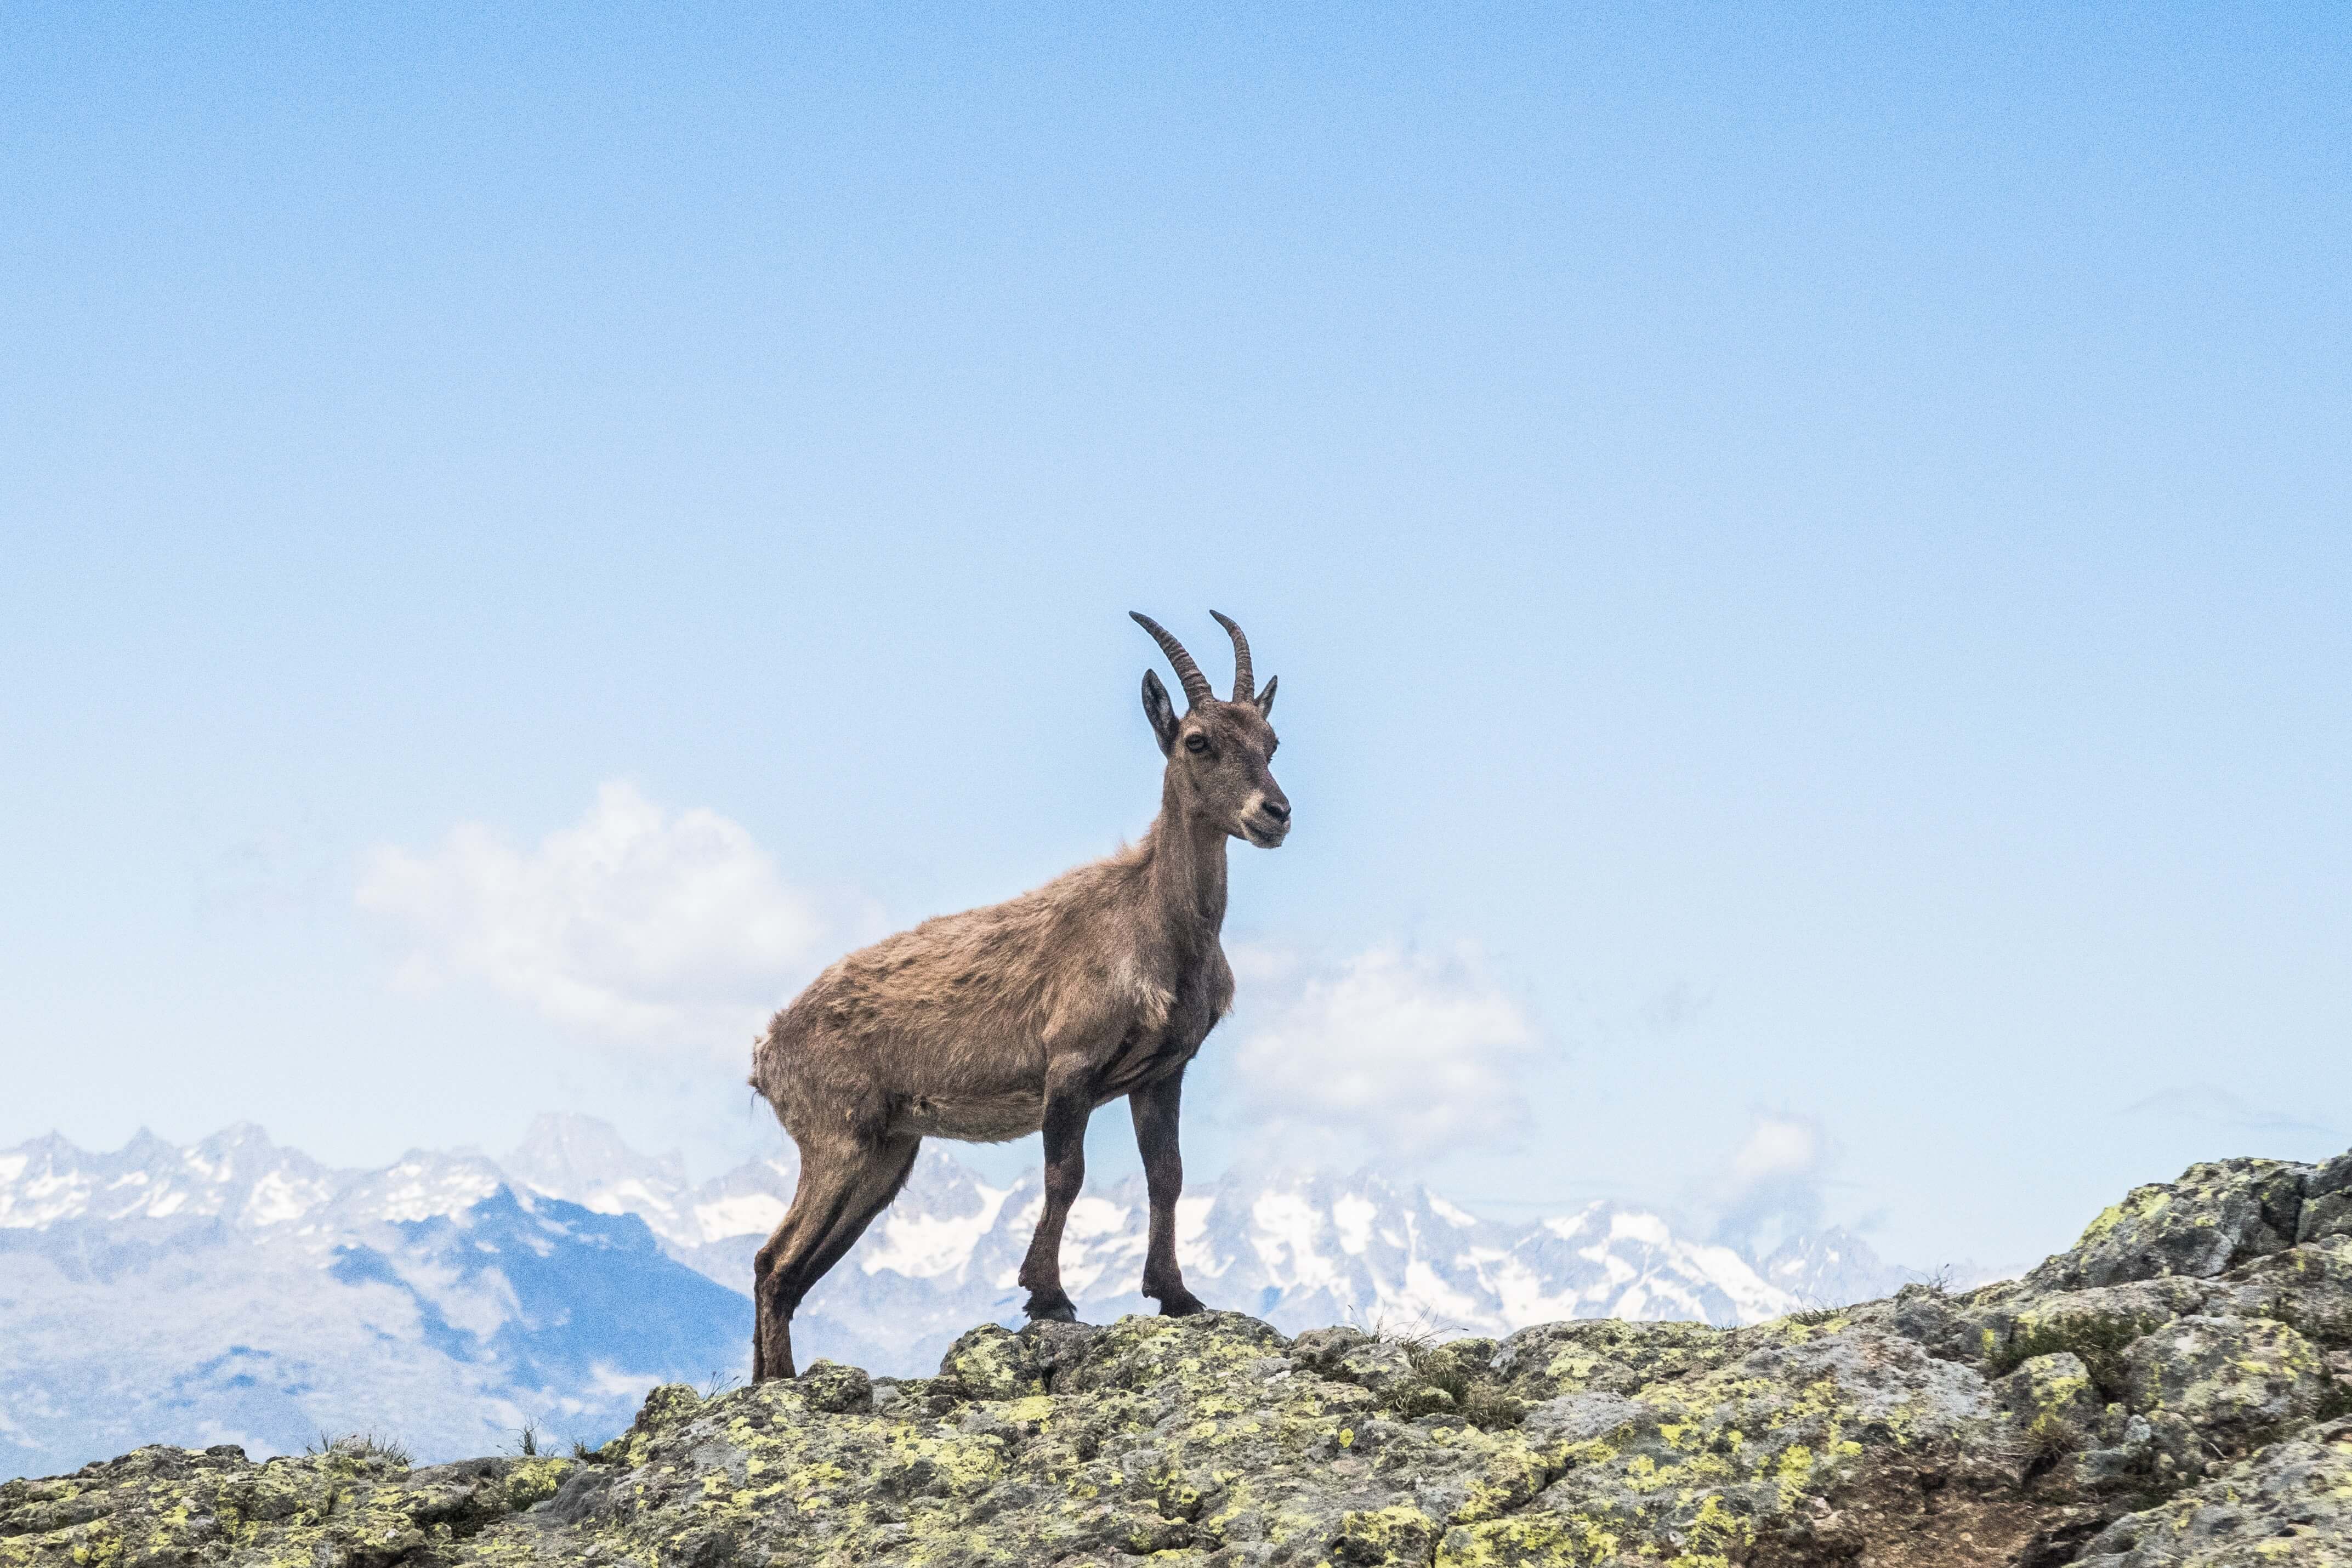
<point x="842" y="1186"/>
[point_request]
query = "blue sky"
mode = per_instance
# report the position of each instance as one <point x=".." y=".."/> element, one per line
<point x="1807" y="554"/>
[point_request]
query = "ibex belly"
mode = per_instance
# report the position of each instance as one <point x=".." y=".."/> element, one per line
<point x="970" y="1118"/>
<point x="987" y="1106"/>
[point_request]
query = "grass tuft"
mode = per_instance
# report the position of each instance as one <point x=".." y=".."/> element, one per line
<point x="1935" y="1281"/>
<point x="1449" y="1377"/>
<point x="358" y="1446"/>
<point x="2051" y="1439"/>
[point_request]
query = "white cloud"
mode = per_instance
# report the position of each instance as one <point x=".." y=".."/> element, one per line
<point x="1772" y="1185"/>
<point x="1779" y="1149"/>
<point x="657" y="928"/>
<point x="1416" y="1052"/>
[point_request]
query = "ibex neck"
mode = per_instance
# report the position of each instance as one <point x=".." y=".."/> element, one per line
<point x="1188" y="872"/>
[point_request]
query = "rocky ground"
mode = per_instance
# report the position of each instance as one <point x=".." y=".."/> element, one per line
<point x="2176" y="1389"/>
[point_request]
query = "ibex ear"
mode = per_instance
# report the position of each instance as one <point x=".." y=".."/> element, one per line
<point x="1265" y="700"/>
<point x="1159" y="710"/>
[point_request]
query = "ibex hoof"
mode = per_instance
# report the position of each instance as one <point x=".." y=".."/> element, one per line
<point x="1180" y="1304"/>
<point x="1058" y="1310"/>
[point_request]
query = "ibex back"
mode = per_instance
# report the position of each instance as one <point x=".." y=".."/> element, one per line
<point x="997" y="1022"/>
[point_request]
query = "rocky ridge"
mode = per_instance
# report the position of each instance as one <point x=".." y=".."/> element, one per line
<point x="2174" y="1389"/>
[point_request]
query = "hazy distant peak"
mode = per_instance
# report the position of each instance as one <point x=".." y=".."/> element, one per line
<point x="568" y="1147"/>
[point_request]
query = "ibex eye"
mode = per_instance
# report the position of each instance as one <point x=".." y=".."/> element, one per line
<point x="1195" y="743"/>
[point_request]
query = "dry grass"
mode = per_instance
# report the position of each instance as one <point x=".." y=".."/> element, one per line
<point x="358" y="1446"/>
<point x="1448" y="1377"/>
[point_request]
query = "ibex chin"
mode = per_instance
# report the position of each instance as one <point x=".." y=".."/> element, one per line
<point x="994" y="1023"/>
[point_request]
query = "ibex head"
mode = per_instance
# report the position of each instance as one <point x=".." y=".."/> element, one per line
<point x="1218" y="751"/>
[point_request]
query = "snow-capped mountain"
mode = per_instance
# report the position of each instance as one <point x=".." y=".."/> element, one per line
<point x="1832" y="1267"/>
<point x="236" y="1291"/>
<point x="1299" y="1249"/>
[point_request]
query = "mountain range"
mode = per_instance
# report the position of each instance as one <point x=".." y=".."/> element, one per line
<point x="233" y="1290"/>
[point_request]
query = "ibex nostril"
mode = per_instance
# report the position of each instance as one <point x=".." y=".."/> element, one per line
<point x="1277" y="809"/>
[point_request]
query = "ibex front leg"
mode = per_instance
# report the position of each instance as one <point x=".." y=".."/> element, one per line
<point x="1066" y="1111"/>
<point x="1155" y="1109"/>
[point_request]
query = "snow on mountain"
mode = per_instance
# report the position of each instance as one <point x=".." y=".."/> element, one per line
<point x="236" y="1176"/>
<point x="231" y="1173"/>
<point x="1299" y="1249"/>
<point x="236" y="1291"/>
<point x="1832" y="1267"/>
<point x="583" y="1161"/>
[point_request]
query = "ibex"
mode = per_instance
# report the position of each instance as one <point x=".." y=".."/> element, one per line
<point x="994" y="1023"/>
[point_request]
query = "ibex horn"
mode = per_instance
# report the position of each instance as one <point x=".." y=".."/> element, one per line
<point x="1244" y="686"/>
<point x="1196" y="685"/>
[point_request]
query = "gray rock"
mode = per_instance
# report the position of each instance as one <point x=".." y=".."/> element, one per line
<point x="1607" y="1354"/>
<point x="2097" y="1325"/>
<point x="2291" y="1504"/>
<point x="1351" y="1355"/>
<point x="992" y="1362"/>
<point x="2308" y="1288"/>
<point x="354" y="1504"/>
<point x="2327" y="1202"/>
<point x="2214" y="1217"/>
<point x="2236" y="1382"/>
<point x="2052" y="1398"/>
<point x="835" y="1389"/>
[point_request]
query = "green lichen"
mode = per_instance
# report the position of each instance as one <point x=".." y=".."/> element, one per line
<point x="2097" y="1339"/>
<point x="1399" y="1533"/>
<point x="1548" y="1539"/>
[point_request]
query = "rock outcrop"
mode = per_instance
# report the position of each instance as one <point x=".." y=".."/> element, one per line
<point x="2176" y="1389"/>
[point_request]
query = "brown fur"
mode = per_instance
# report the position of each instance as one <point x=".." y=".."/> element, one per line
<point x="1026" y="1015"/>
